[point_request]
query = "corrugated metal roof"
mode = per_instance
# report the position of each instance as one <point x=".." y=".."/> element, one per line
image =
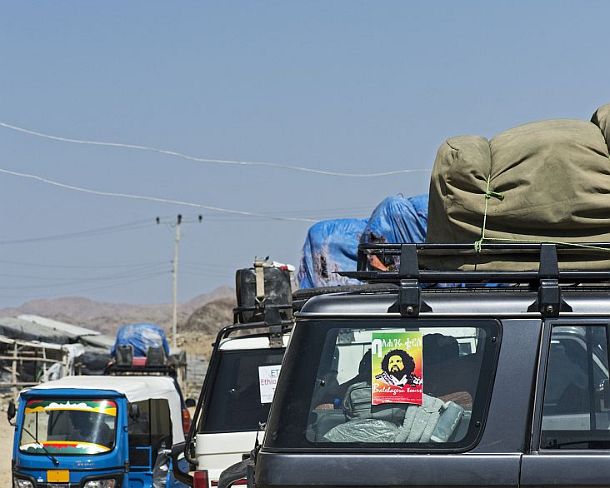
<point x="25" y="330"/>
<point x="73" y="331"/>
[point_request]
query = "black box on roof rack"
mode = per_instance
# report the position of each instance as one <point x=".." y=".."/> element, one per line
<point x="265" y="285"/>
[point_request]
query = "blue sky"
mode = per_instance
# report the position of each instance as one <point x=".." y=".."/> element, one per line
<point x="345" y="85"/>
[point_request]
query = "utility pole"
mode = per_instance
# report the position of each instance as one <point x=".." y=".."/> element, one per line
<point x="175" y="284"/>
<point x="177" y="238"/>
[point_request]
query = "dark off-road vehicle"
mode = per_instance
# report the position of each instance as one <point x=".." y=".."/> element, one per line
<point x="513" y="366"/>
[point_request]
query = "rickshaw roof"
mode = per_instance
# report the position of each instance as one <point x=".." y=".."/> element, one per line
<point x="135" y="388"/>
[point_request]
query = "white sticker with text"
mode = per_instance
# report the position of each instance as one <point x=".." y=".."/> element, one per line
<point x="267" y="380"/>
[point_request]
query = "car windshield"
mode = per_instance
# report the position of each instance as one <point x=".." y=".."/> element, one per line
<point x="242" y="390"/>
<point x="68" y="426"/>
<point x="419" y="385"/>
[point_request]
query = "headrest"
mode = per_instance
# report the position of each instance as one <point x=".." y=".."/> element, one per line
<point x="440" y="348"/>
<point x="364" y="368"/>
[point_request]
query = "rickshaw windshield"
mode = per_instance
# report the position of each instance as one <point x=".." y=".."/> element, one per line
<point x="68" y="426"/>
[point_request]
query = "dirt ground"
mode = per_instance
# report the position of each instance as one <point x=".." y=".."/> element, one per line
<point x="6" y="446"/>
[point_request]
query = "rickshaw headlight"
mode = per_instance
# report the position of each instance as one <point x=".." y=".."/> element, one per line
<point x="104" y="483"/>
<point x="22" y="483"/>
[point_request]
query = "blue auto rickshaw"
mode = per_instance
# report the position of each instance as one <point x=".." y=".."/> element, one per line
<point x="96" y="432"/>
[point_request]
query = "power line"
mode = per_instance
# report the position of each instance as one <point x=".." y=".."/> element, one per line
<point x="92" y="266"/>
<point x="122" y="274"/>
<point x="95" y="288"/>
<point x="149" y="198"/>
<point x="77" y="282"/>
<point x="212" y="161"/>
<point x="139" y="224"/>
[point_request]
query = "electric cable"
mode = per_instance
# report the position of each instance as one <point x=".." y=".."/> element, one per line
<point x="72" y="266"/>
<point x="136" y="225"/>
<point x="177" y="154"/>
<point x="149" y="198"/>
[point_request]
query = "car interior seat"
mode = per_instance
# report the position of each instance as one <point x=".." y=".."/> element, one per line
<point x="447" y="375"/>
<point x="566" y="381"/>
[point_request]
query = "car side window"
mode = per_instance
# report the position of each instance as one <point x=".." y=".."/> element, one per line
<point x="576" y="408"/>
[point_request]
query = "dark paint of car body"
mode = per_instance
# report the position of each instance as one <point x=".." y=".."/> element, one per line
<point x="536" y="412"/>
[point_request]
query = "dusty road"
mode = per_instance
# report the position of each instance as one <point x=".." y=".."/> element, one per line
<point x="6" y="445"/>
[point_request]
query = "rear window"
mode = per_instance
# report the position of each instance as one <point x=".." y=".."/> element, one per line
<point x="397" y="384"/>
<point x="242" y="390"/>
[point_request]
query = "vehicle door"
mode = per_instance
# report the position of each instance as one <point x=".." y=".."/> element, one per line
<point x="150" y="430"/>
<point x="570" y="443"/>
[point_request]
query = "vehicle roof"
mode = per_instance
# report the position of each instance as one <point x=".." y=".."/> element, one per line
<point x="501" y="301"/>
<point x="135" y="388"/>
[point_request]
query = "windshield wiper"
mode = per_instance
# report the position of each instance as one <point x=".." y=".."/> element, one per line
<point x="47" y="453"/>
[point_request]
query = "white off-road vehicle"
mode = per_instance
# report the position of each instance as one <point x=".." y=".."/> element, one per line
<point x="234" y="402"/>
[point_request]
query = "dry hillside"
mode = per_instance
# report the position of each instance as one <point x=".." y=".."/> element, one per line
<point x="198" y="332"/>
<point x="107" y="317"/>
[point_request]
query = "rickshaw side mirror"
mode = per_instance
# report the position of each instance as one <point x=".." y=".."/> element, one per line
<point x="11" y="411"/>
<point x="134" y="411"/>
<point x="190" y="403"/>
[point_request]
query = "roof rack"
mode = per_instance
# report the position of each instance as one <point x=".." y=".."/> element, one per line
<point x="409" y="275"/>
<point x="263" y="312"/>
<point x="114" y="369"/>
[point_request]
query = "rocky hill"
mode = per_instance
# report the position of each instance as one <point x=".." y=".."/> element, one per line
<point x="197" y="333"/>
<point x="211" y="317"/>
<point x="107" y="317"/>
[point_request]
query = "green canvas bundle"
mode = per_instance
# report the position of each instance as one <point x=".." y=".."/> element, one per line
<point x="543" y="181"/>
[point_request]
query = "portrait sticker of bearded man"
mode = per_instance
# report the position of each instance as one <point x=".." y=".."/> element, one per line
<point x="397" y="369"/>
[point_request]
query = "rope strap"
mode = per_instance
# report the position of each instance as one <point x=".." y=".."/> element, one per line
<point x="489" y="194"/>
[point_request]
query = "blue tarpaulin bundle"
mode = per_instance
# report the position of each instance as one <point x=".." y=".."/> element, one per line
<point x="330" y="246"/>
<point x="398" y="219"/>
<point x="141" y="337"/>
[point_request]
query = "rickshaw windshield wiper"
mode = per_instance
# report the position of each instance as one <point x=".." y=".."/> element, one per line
<point x="47" y="453"/>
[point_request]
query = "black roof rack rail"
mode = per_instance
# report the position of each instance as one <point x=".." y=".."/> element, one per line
<point x="409" y="275"/>
<point x="113" y="369"/>
<point x="262" y="311"/>
<point x="366" y="273"/>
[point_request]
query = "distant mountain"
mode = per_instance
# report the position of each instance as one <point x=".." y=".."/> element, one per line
<point x="211" y="317"/>
<point x="107" y="317"/>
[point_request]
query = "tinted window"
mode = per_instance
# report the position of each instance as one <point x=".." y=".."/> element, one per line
<point x="235" y="403"/>
<point x="149" y="431"/>
<point x="340" y="388"/>
<point x="576" y="413"/>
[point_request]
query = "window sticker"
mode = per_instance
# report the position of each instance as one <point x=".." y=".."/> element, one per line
<point x="267" y="380"/>
<point x="107" y="407"/>
<point x="397" y="368"/>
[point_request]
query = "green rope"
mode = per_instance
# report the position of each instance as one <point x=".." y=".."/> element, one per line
<point x="478" y="245"/>
<point x="489" y="194"/>
<point x="550" y="241"/>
